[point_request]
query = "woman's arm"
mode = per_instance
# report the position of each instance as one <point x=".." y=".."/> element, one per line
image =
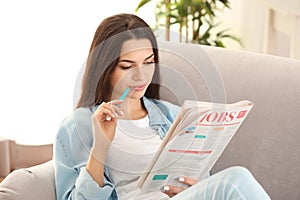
<point x="103" y="133"/>
<point x="75" y="147"/>
<point x="72" y="179"/>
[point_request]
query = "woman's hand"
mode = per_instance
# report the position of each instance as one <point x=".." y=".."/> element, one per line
<point x="106" y="116"/>
<point x="173" y="190"/>
<point x="104" y="122"/>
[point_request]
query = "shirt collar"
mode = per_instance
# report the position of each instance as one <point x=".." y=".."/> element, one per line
<point x="156" y="117"/>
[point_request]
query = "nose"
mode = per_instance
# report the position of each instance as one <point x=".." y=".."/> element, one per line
<point x="138" y="74"/>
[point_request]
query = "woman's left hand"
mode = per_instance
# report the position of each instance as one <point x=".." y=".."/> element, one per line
<point x="173" y="190"/>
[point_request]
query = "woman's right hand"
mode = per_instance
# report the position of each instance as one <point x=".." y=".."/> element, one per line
<point x="106" y="115"/>
<point x="104" y="129"/>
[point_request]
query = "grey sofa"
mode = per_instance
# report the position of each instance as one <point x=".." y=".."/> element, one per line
<point x="267" y="143"/>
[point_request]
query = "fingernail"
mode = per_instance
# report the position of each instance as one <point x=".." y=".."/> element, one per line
<point x="181" y="179"/>
<point x="116" y="115"/>
<point x="122" y="113"/>
<point x="165" y="188"/>
<point x="108" y="118"/>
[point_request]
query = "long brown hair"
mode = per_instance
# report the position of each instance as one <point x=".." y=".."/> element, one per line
<point x="105" y="52"/>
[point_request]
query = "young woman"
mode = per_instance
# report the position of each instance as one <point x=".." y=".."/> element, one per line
<point x="103" y="147"/>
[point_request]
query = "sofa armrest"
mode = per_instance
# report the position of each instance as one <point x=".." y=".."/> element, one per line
<point x="36" y="182"/>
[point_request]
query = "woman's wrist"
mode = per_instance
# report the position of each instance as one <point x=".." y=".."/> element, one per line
<point x="96" y="169"/>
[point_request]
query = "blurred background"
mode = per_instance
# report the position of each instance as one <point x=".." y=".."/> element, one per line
<point x="44" y="45"/>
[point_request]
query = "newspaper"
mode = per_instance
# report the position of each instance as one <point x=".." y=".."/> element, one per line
<point x="194" y="142"/>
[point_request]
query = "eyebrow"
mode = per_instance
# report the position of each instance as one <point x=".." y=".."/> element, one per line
<point x="131" y="61"/>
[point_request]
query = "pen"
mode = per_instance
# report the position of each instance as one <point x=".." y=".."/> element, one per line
<point x="124" y="94"/>
<point x="108" y="118"/>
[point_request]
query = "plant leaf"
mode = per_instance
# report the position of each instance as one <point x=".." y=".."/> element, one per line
<point x="141" y="4"/>
<point x="225" y="3"/>
<point x="219" y="44"/>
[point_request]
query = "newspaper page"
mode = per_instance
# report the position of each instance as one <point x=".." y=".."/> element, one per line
<point x="194" y="143"/>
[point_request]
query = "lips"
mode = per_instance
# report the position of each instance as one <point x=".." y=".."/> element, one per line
<point x="138" y="87"/>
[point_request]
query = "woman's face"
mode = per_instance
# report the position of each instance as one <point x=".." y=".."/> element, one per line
<point x="135" y="69"/>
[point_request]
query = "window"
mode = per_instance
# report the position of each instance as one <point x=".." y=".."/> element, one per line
<point x="44" y="44"/>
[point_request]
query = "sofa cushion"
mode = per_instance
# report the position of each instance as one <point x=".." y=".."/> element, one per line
<point x="36" y="182"/>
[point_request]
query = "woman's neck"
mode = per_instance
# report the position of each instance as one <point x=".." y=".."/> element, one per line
<point x="133" y="109"/>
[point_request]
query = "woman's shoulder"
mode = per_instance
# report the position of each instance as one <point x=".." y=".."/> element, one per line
<point x="76" y="124"/>
<point x="78" y="116"/>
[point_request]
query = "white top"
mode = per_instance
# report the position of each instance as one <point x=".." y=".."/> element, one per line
<point x="133" y="147"/>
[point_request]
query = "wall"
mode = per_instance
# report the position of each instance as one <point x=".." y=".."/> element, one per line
<point x="248" y="20"/>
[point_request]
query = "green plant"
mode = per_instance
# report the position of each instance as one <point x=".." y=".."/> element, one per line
<point x="195" y="20"/>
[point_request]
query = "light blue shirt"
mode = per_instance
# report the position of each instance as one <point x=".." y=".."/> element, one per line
<point x="72" y="148"/>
